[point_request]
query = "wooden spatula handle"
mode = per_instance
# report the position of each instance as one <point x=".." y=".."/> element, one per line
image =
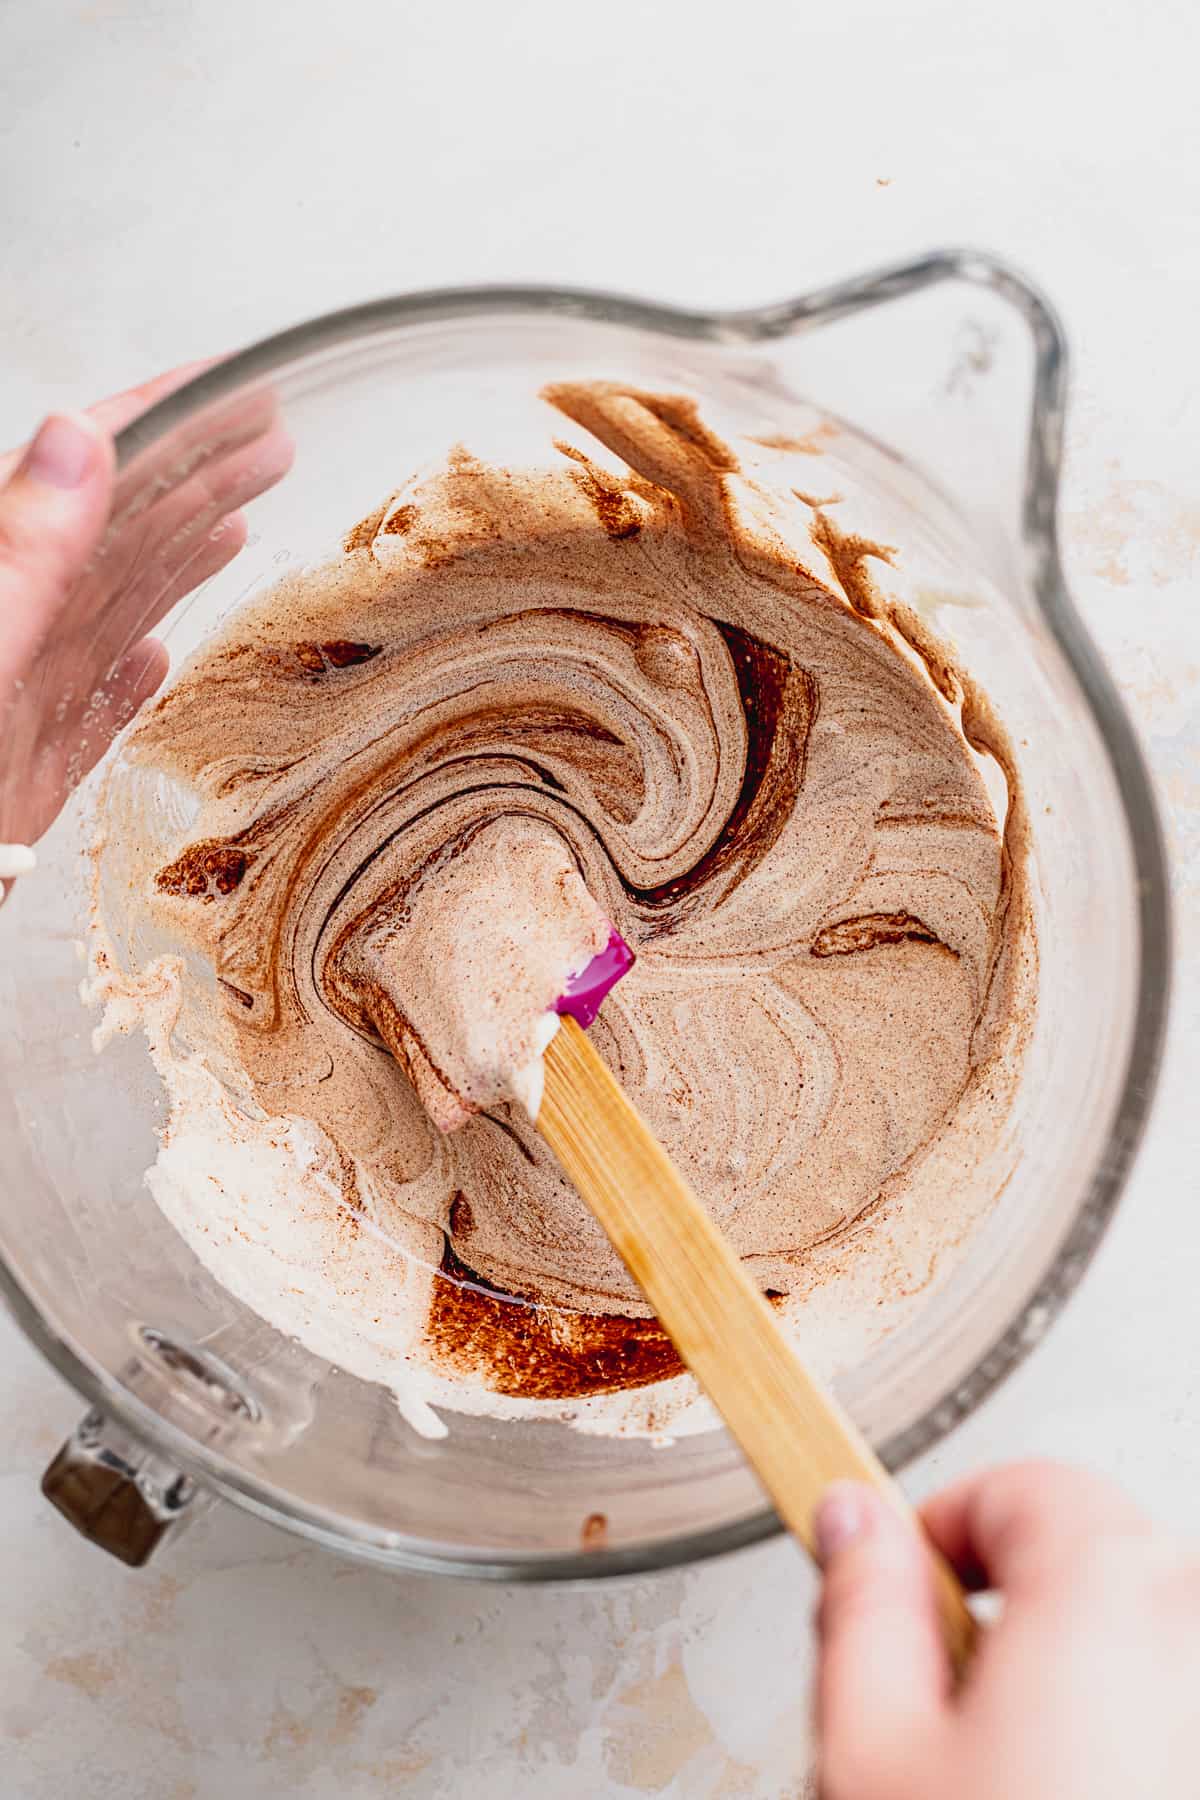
<point x="794" y="1435"/>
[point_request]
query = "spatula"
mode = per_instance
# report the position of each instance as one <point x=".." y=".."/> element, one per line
<point x="794" y="1435"/>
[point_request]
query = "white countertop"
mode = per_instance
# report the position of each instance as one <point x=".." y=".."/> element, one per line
<point x="179" y="178"/>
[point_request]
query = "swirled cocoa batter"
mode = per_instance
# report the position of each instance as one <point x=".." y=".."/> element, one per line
<point x="643" y="680"/>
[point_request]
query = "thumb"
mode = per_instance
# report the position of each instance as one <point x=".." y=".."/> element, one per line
<point x="53" y="511"/>
<point x="884" y="1678"/>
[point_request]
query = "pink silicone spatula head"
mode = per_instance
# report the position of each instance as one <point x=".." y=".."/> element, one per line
<point x="585" y="991"/>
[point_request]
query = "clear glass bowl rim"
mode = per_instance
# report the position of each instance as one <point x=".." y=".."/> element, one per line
<point x="743" y="328"/>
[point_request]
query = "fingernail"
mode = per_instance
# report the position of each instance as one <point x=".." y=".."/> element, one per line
<point x="846" y="1512"/>
<point x="62" y="452"/>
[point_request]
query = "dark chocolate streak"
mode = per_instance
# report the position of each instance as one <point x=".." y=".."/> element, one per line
<point x="779" y="704"/>
<point x="340" y="653"/>
<point x="869" y="931"/>
<point x="534" y="1353"/>
<point x="537" y="1353"/>
<point x="205" y="870"/>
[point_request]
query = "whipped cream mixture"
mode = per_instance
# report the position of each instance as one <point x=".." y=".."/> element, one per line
<point x="458" y="967"/>
<point x="343" y="863"/>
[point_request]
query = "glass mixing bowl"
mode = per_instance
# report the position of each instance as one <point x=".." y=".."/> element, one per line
<point x="191" y="1393"/>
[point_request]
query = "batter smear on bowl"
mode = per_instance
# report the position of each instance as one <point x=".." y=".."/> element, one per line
<point x="649" y="683"/>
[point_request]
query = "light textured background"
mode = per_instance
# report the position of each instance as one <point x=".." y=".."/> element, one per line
<point x="178" y="177"/>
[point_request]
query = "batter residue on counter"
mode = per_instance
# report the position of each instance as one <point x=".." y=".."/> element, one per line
<point x="653" y="660"/>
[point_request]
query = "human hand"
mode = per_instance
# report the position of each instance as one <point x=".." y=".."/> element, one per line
<point x="90" y="562"/>
<point x="1087" y="1687"/>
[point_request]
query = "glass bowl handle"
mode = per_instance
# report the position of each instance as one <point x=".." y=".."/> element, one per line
<point x="117" y="1493"/>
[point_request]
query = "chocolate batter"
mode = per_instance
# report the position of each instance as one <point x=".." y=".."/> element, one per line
<point x="639" y="684"/>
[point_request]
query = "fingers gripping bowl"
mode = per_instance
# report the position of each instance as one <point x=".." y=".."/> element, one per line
<point x="240" y="1395"/>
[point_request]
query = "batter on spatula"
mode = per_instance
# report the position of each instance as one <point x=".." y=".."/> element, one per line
<point x="646" y="683"/>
